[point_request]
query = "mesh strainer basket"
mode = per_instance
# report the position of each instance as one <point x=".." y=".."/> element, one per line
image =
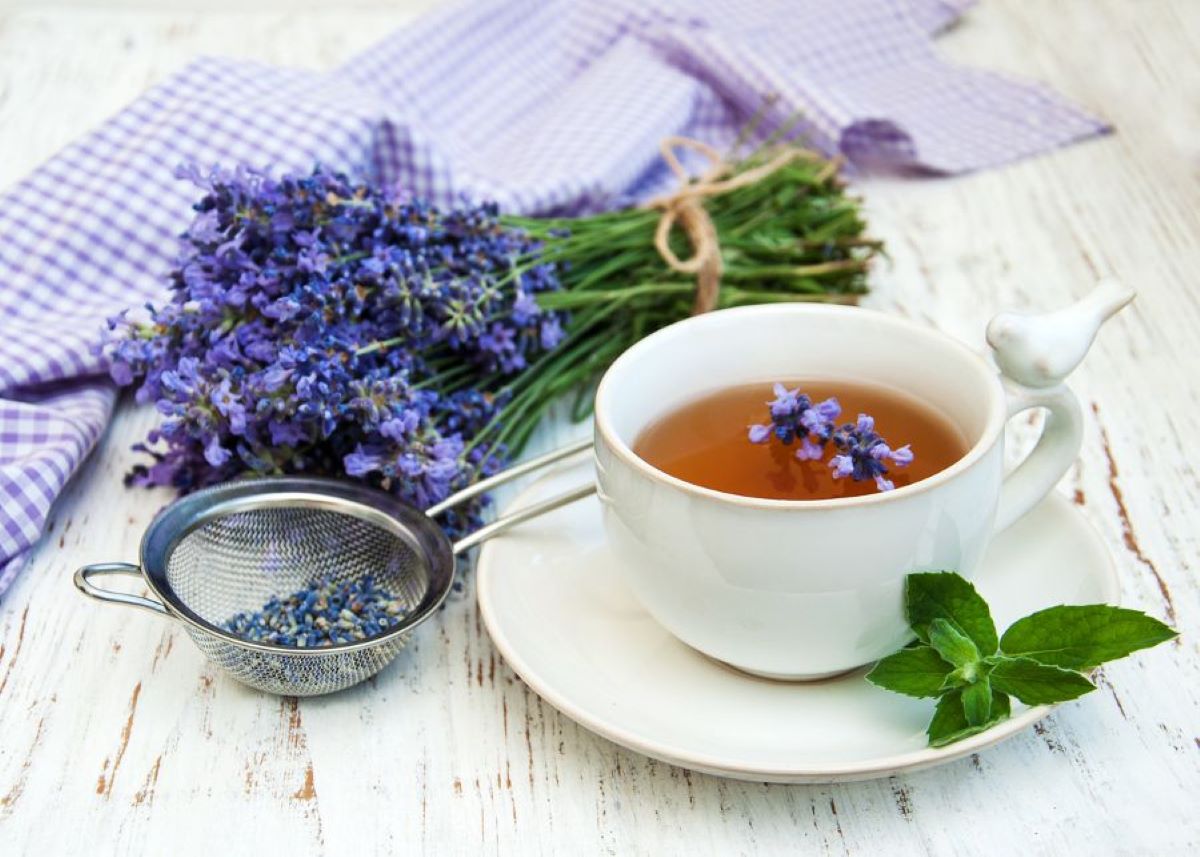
<point x="228" y="549"/>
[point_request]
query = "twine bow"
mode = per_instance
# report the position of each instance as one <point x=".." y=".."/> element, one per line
<point x="686" y="206"/>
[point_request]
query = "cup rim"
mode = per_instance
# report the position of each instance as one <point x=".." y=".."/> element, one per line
<point x="997" y="413"/>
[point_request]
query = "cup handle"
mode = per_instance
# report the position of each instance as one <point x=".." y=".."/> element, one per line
<point x="1050" y="458"/>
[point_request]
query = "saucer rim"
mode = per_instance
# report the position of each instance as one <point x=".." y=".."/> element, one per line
<point x="722" y="766"/>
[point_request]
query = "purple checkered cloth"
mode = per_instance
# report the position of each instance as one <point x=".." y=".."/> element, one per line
<point x="541" y="106"/>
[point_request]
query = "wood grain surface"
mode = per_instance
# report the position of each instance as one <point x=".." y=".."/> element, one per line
<point x="117" y="737"/>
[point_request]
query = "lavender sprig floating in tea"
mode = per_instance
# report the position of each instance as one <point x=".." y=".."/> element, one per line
<point x="793" y="415"/>
<point x="862" y="454"/>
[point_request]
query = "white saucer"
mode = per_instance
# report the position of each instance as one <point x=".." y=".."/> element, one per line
<point x="560" y="613"/>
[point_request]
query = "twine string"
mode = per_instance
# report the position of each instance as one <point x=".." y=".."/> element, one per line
<point x="685" y="207"/>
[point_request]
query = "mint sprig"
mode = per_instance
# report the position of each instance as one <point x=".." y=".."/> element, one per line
<point x="960" y="660"/>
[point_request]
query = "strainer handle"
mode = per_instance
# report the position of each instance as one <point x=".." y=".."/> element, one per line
<point x="508" y="474"/>
<point x="84" y="584"/>
<point x="521" y="515"/>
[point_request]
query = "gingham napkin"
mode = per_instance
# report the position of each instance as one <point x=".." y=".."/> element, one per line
<point x="542" y="106"/>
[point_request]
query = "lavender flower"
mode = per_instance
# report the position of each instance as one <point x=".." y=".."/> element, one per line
<point x="322" y="326"/>
<point x="860" y="452"/>
<point x="793" y="415"/>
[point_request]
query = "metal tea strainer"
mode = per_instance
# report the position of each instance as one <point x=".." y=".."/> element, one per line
<point x="229" y="548"/>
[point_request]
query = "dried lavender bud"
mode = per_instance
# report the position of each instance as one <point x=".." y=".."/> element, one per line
<point x="321" y="615"/>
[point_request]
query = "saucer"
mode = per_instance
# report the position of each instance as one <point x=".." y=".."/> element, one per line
<point x="558" y="609"/>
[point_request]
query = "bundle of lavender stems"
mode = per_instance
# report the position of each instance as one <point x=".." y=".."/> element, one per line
<point x="321" y="325"/>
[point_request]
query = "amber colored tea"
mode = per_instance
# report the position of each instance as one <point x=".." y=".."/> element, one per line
<point x="705" y="442"/>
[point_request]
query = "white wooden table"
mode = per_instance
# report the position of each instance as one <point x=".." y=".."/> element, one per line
<point x="116" y="736"/>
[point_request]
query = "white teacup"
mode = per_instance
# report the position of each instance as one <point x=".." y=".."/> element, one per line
<point x="811" y="588"/>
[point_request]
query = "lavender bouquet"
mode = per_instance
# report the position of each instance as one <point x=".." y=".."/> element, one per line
<point x="322" y="325"/>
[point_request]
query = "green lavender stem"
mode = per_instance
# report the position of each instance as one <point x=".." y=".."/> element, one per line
<point x="794" y="236"/>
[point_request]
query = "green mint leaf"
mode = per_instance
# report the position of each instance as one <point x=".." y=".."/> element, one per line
<point x="948" y="717"/>
<point x="953" y="645"/>
<point x="946" y="595"/>
<point x="1037" y="684"/>
<point x="977" y="702"/>
<point x="1001" y="706"/>
<point x="958" y="678"/>
<point x="949" y="723"/>
<point x="1082" y="637"/>
<point x="968" y="673"/>
<point x="916" y="671"/>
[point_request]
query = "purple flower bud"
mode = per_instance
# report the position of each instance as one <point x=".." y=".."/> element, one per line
<point x="524" y="308"/>
<point x="286" y="433"/>
<point x="214" y="453"/>
<point x="360" y="462"/>
<point x="260" y="350"/>
<point x="206" y="228"/>
<point x="787" y="404"/>
<point x="121" y="372"/>
<point x="816" y="424"/>
<point x="551" y="333"/>
<point x="760" y="433"/>
<point x="447" y="448"/>
<point x="883" y="484"/>
<point x="274" y="378"/>
<point x="410" y="465"/>
<point x="903" y="456"/>
<point x="830" y="409"/>
<point x="842" y="466"/>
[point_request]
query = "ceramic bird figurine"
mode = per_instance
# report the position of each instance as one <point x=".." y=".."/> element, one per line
<point x="1041" y="350"/>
